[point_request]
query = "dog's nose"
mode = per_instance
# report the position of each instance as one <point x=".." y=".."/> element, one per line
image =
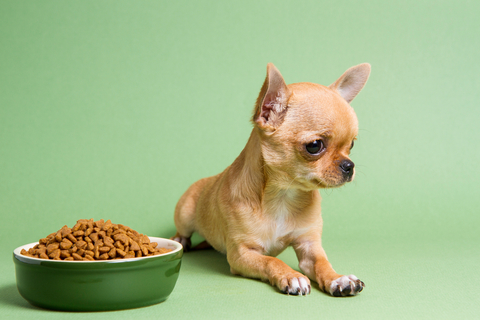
<point x="347" y="168"/>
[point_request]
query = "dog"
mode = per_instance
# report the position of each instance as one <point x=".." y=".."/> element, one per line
<point x="268" y="198"/>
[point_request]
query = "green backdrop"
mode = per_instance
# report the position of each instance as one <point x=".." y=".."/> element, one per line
<point x="111" y="109"/>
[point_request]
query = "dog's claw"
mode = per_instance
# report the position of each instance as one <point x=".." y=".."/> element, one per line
<point x="346" y="286"/>
<point x="297" y="286"/>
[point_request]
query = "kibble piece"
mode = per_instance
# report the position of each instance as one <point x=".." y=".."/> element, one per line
<point x="55" y="254"/>
<point x="103" y="256"/>
<point x="88" y="232"/>
<point x="130" y="254"/>
<point x="134" y="246"/>
<point x="99" y="223"/>
<point x="66" y="244"/>
<point x="81" y="244"/>
<point x="104" y="249"/>
<point x="121" y="237"/>
<point x="64" y="254"/>
<point x="119" y="245"/>
<point x="58" y="236"/>
<point x="121" y="253"/>
<point x="71" y="238"/>
<point x="96" y="252"/>
<point x="94" y="236"/>
<point x="77" y="257"/>
<point x="88" y="257"/>
<point x="112" y="253"/>
<point x="78" y="233"/>
<point x="66" y="231"/>
<point x="52" y="246"/>
<point x="43" y="256"/>
<point x="90" y="224"/>
<point x="108" y="241"/>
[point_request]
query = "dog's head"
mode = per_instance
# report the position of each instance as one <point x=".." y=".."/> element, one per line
<point x="307" y="130"/>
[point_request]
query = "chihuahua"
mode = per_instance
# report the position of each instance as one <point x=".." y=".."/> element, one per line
<point x="268" y="198"/>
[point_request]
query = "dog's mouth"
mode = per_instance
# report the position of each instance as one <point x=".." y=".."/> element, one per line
<point x="327" y="182"/>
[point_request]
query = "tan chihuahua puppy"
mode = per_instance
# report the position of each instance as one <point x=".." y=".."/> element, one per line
<point x="268" y="198"/>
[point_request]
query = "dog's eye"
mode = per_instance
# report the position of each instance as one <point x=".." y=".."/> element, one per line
<point x="314" y="147"/>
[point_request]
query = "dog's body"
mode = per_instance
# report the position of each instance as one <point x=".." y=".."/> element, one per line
<point x="268" y="198"/>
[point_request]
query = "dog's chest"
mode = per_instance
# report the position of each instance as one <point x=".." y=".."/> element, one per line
<point x="280" y="226"/>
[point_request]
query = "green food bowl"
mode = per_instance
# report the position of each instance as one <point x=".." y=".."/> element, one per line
<point x="98" y="285"/>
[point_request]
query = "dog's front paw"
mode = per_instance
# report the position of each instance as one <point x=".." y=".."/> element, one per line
<point x="184" y="241"/>
<point x="346" y="286"/>
<point x="296" y="284"/>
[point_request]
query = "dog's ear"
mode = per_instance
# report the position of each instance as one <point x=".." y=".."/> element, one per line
<point x="271" y="105"/>
<point x="352" y="81"/>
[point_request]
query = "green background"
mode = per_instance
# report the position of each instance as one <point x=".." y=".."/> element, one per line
<point x="111" y="109"/>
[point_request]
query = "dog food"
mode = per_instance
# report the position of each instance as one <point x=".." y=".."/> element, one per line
<point x="94" y="240"/>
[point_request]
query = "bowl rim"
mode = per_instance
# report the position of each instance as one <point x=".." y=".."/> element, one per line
<point x="164" y="242"/>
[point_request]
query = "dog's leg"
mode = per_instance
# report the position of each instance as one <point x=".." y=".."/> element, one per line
<point x="314" y="263"/>
<point x="252" y="264"/>
<point x="185" y="214"/>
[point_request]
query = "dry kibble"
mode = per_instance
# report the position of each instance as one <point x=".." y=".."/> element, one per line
<point x="78" y="233"/>
<point x="94" y="236"/>
<point x="119" y="245"/>
<point x="123" y="238"/>
<point x="121" y="253"/>
<point x="55" y="254"/>
<point x="104" y="249"/>
<point x="112" y="253"/>
<point x="103" y="256"/>
<point x="135" y="246"/>
<point x="58" y="236"/>
<point x="71" y="238"/>
<point x="88" y="231"/>
<point x="77" y="256"/>
<point x="65" y="231"/>
<point x="81" y="244"/>
<point x="130" y="254"/>
<point x="65" y="244"/>
<point x="108" y="241"/>
<point x="52" y="246"/>
<point x="94" y="240"/>
<point x="88" y="257"/>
